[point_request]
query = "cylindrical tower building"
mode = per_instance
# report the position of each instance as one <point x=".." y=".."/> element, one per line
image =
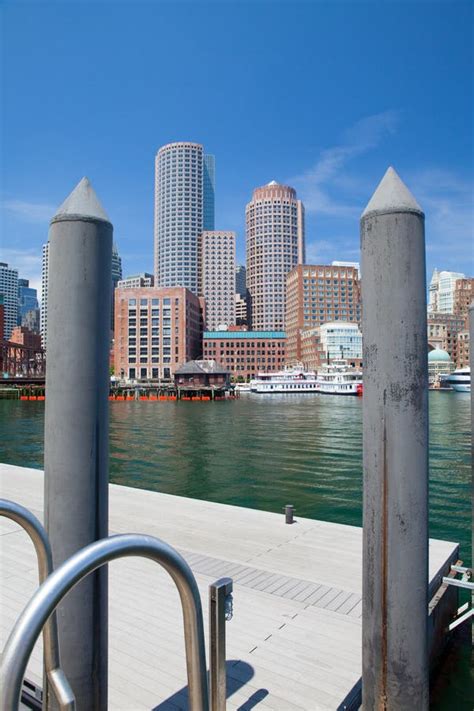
<point x="179" y="199"/>
<point x="275" y="244"/>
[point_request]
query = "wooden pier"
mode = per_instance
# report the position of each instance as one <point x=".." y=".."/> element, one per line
<point x="295" y="639"/>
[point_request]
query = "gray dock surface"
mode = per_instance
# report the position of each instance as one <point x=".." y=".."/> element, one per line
<point x="295" y="639"/>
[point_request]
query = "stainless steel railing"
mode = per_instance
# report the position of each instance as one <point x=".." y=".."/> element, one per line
<point x="56" y="677"/>
<point x="35" y="615"/>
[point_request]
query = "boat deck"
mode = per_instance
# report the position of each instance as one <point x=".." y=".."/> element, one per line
<point x="295" y="639"/>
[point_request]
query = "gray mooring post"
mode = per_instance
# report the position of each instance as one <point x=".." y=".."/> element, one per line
<point x="471" y="363"/>
<point x="395" y="674"/>
<point x="77" y="429"/>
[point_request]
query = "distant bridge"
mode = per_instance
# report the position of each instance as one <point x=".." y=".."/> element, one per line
<point x="21" y="364"/>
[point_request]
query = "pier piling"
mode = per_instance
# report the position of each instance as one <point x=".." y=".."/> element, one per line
<point x="471" y="363"/>
<point x="76" y="429"/>
<point x="395" y="451"/>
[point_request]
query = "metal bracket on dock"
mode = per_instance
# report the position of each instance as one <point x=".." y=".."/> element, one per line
<point x="464" y="582"/>
<point x="464" y="613"/>
<point x="220" y="610"/>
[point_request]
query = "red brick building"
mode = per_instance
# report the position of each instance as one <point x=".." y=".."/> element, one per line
<point x="246" y="353"/>
<point x="462" y="350"/>
<point x="463" y="297"/>
<point x="443" y="332"/>
<point x="156" y="330"/>
<point x="317" y="294"/>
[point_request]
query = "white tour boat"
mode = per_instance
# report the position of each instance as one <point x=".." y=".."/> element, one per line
<point x="338" y="378"/>
<point x="459" y="380"/>
<point x="291" y="380"/>
<point x="242" y="387"/>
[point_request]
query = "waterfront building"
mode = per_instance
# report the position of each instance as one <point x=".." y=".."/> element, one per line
<point x="318" y="294"/>
<point x="209" y="190"/>
<point x="463" y="297"/>
<point x="462" y="349"/>
<point x="216" y="277"/>
<point x="206" y="373"/>
<point x="439" y="363"/>
<point x="245" y="353"/>
<point x="331" y="341"/>
<point x="184" y="206"/>
<point x="341" y="340"/>
<point x="9" y="289"/>
<point x="275" y="244"/>
<point x="24" y="337"/>
<point x="241" y="310"/>
<point x="443" y="331"/>
<point x="241" y="280"/>
<point x="27" y="299"/>
<point x="116" y="277"/>
<point x="156" y="329"/>
<point x="441" y="291"/>
<point x="44" y="293"/>
<point x="136" y="281"/>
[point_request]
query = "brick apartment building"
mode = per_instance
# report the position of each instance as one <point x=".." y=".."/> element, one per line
<point x="443" y="332"/>
<point x="317" y="294"/>
<point x="245" y="353"/>
<point x="156" y="330"/>
<point x="450" y="331"/>
<point x="463" y="297"/>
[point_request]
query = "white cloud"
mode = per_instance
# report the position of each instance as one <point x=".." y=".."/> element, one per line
<point x="314" y="185"/>
<point x="29" y="211"/>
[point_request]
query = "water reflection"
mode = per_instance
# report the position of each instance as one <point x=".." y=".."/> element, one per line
<point x="263" y="452"/>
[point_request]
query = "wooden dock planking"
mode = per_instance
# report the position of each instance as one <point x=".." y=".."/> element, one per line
<point x="295" y="640"/>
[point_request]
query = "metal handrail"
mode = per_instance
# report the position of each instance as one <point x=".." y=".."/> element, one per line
<point x="30" y="623"/>
<point x="56" y="677"/>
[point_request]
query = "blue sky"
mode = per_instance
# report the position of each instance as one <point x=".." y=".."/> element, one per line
<point x="321" y="95"/>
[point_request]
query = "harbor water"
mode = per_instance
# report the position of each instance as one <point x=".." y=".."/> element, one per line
<point x="267" y="451"/>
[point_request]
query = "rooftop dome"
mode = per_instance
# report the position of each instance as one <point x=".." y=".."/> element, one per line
<point x="273" y="182"/>
<point x="438" y="355"/>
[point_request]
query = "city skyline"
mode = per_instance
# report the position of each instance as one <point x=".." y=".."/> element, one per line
<point x="330" y="135"/>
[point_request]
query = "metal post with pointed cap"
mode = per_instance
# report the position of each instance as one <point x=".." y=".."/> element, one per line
<point x="77" y="429"/>
<point x="471" y="363"/>
<point x="395" y="451"/>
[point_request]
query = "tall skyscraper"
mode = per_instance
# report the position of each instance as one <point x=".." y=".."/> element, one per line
<point x="209" y="187"/>
<point x="275" y="244"/>
<point x="184" y="191"/>
<point x="116" y="265"/>
<point x="27" y="300"/>
<point x="44" y="293"/>
<point x="241" y="280"/>
<point x="216" y="281"/>
<point x="9" y="289"/>
<point x="116" y="276"/>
